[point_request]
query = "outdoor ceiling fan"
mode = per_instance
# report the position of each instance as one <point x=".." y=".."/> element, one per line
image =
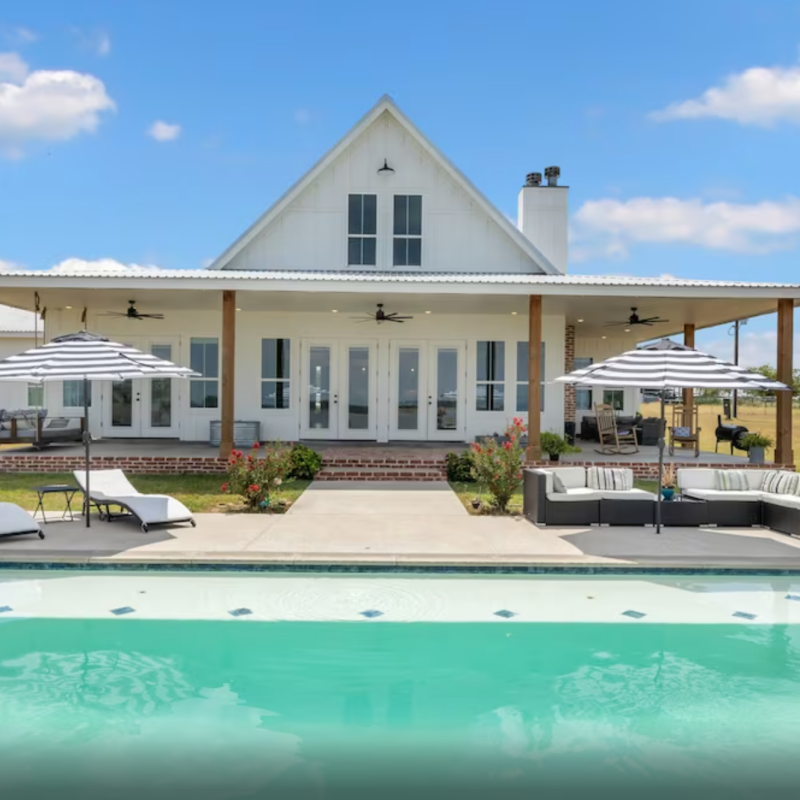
<point x="635" y="319"/>
<point x="381" y="316"/>
<point x="132" y="313"/>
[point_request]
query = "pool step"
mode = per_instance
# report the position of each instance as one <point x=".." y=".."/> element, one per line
<point x="382" y="469"/>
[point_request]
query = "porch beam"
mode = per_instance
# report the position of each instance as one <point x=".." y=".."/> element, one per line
<point x="228" y="372"/>
<point x="783" y="406"/>
<point x="534" y="451"/>
<point x="688" y="394"/>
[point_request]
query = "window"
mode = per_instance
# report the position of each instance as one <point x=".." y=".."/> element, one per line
<point x="614" y="398"/>
<point x="72" y="394"/>
<point x="204" y="358"/>
<point x="583" y="397"/>
<point x="522" y="377"/>
<point x="407" y="230"/>
<point x="491" y="374"/>
<point x="275" y="373"/>
<point x="35" y="395"/>
<point x="362" y="224"/>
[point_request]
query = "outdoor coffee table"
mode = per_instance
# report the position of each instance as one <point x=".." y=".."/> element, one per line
<point x="684" y="511"/>
<point x="56" y="488"/>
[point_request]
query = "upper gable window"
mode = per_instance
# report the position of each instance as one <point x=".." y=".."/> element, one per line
<point x="362" y="224"/>
<point x="407" y="230"/>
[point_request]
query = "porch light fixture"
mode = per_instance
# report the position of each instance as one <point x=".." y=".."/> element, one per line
<point x="334" y="311"/>
<point x="627" y="330"/>
<point x="385" y="169"/>
<point x="580" y="320"/>
<point x="69" y="308"/>
<point x="238" y="309"/>
<point x="513" y="313"/>
<point x="427" y="312"/>
<point x="604" y="337"/>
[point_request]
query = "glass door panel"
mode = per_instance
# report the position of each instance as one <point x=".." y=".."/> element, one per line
<point x="408" y="389"/>
<point x="161" y="392"/>
<point x="321" y="403"/>
<point x="358" y="389"/>
<point x="122" y="404"/>
<point x="408" y="410"/>
<point x="447" y="392"/>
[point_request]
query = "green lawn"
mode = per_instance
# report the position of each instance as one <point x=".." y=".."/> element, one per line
<point x="467" y="491"/>
<point x="199" y="493"/>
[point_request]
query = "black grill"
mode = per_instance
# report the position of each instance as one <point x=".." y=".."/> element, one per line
<point x="729" y="433"/>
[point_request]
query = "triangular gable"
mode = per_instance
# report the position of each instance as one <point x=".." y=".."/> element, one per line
<point x="386" y="104"/>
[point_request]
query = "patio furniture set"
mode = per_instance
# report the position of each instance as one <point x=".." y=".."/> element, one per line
<point x="32" y="426"/>
<point x="585" y="496"/>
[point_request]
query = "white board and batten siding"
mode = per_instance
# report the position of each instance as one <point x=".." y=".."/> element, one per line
<point x="311" y="232"/>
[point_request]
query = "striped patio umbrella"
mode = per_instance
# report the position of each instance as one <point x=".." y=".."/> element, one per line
<point x="86" y="356"/>
<point x="668" y="365"/>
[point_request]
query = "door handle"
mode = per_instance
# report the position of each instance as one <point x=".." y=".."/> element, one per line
<point x="336" y="398"/>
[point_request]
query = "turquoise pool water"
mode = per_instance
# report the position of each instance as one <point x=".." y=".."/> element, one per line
<point x="101" y="708"/>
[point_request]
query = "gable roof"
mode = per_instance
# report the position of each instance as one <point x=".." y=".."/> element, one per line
<point x="386" y="104"/>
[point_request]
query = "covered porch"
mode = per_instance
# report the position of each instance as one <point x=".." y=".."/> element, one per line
<point x="298" y="354"/>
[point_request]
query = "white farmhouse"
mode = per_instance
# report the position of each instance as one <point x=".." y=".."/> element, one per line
<point x="296" y="324"/>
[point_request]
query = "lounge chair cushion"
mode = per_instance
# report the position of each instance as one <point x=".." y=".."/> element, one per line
<point x="14" y="519"/>
<point x="785" y="500"/>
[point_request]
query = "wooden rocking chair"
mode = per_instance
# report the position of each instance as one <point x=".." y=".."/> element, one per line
<point x="684" y="429"/>
<point x="613" y="441"/>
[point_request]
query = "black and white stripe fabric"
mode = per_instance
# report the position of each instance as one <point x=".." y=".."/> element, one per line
<point x="780" y="482"/>
<point x="669" y="365"/>
<point x="609" y="478"/>
<point x="76" y="356"/>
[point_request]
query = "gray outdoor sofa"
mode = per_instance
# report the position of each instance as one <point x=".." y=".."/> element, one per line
<point x="776" y="507"/>
<point x="33" y="427"/>
<point x="576" y="502"/>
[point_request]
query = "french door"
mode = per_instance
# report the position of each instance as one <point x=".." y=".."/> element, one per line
<point x="340" y="384"/>
<point x="144" y="408"/>
<point x="426" y="391"/>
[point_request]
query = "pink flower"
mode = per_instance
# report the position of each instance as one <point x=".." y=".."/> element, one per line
<point x="256" y="445"/>
<point x="224" y="487"/>
<point x="507" y="445"/>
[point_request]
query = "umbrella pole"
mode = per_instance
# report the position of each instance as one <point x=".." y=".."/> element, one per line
<point x="662" y="426"/>
<point x="87" y="438"/>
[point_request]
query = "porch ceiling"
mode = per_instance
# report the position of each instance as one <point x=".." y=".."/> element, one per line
<point x="588" y="312"/>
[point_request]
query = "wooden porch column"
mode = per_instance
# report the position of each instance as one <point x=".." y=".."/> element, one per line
<point x="783" y="409"/>
<point x="228" y="371"/>
<point x="534" y="451"/>
<point x="688" y="394"/>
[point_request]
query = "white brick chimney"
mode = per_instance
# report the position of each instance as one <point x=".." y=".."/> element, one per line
<point x="542" y="215"/>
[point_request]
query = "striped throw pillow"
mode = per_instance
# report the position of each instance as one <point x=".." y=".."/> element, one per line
<point x="780" y="482"/>
<point x="609" y="478"/>
<point x="731" y="480"/>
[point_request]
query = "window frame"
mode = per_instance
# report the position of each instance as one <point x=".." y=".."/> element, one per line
<point x="79" y="386"/>
<point x="284" y="382"/>
<point x="610" y="401"/>
<point x="405" y="236"/>
<point x="205" y="379"/>
<point x="35" y="387"/>
<point x="360" y="236"/>
<point x="524" y="382"/>
<point x="581" y="362"/>
<point x="491" y="383"/>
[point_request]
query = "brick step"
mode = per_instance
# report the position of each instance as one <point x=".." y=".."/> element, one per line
<point x="391" y="463"/>
<point x="387" y="472"/>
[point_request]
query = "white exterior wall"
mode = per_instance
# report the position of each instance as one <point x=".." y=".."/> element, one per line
<point x="252" y="327"/>
<point x="13" y="394"/>
<point x="599" y="350"/>
<point x="311" y="233"/>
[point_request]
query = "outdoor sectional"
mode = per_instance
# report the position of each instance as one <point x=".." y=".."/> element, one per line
<point x="742" y="508"/>
<point x="581" y="505"/>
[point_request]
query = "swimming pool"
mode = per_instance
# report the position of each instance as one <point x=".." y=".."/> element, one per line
<point x="222" y="685"/>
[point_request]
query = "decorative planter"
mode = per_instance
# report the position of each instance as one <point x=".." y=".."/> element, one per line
<point x="667" y="493"/>
<point x="245" y="434"/>
<point x="756" y="455"/>
<point x="553" y="456"/>
<point x="476" y="504"/>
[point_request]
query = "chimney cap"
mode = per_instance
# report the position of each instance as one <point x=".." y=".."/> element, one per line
<point x="533" y="179"/>
<point x="552" y="174"/>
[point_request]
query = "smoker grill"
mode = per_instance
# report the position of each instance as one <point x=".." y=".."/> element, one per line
<point x="729" y="433"/>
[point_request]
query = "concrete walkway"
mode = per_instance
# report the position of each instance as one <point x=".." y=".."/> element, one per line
<point x="397" y="523"/>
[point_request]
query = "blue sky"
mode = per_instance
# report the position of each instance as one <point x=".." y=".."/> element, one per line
<point x="665" y="178"/>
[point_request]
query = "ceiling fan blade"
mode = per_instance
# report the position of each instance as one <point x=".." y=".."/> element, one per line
<point x="395" y="319"/>
<point x="645" y="322"/>
<point x="149" y="316"/>
<point x="398" y="316"/>
<point x="612" y="324"/>
<point x="113" y="314"/>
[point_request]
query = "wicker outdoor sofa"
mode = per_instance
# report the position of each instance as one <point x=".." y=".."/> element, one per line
<point x="33" y="427"/>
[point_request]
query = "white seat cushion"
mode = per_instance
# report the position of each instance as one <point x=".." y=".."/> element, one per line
<point x="785" y="500"/>
<point x="696" y="479"/>
<point x="747" y="495"/>
<point x="14" y="519"/>
<point x="581" y="494"/>
<point x="629" y="494"/>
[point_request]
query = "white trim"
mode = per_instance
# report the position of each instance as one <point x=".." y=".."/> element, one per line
<point x="386" y="104"/>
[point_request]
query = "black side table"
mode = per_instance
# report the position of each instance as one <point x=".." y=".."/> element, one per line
<point x="683" y="511"/>
<point x="57" y="488"/>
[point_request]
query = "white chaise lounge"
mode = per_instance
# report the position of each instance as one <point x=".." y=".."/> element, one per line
<point x="110" y="487"/>
<point x="16" y="521"/>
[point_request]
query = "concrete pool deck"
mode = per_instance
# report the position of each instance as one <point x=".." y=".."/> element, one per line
<point x="399" y="524"/>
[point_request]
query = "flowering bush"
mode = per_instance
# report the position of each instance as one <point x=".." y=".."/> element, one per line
<point x="256" y="476"/>
<point x="499" y="466"/>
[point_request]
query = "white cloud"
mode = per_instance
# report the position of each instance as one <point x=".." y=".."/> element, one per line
<point x="19" y="36"/>
<point x="103" y="44"/>
<point x="758" y="96"/>
<point x="12" y="68"/>
<point x="163" y="131"/>
<point x="302" y="116"/>
<point x="99" y="42"/>
<point x="607" y="227"/>
<point x="110" y="265"/>
<point x="755" y="348"/>
<point x="49" y="105"/>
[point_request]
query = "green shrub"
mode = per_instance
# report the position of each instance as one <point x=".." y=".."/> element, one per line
<point x="498" y="467"/>
<point x="755" y="440"/>
<point x="306" y="463"/>
<point x="459" y="467"/>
